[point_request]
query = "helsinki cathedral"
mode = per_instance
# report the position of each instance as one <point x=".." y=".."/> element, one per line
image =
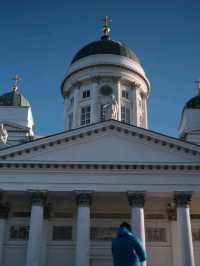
<point x="62" y="196"/>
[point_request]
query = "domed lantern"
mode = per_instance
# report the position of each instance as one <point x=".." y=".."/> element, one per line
<point x="105" y="80"/>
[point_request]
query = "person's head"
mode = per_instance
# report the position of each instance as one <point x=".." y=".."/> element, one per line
<point x="126" y="225"/>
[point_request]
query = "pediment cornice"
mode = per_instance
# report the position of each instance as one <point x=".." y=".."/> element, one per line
<point x="50" y="142"/>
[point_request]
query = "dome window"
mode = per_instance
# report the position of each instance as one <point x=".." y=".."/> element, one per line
<point x="125" y="114"/>
<point x="86" y="94"/>
<point x="125" y="94"/>
<point x="85" y="115"/>
<point x="106" y="90"/>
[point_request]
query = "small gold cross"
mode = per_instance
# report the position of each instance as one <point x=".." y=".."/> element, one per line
<point x="106" y="26"/>
<point x="16" y="79"/>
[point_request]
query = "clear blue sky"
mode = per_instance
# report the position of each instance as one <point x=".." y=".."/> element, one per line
<point x="38" y="39"/>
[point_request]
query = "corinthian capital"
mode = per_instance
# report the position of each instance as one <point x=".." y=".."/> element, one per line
<point x="38" y="196"/>
<point x="83" y="198"/>
<point x="136" y="198"/>
<point x="182" y="199"/>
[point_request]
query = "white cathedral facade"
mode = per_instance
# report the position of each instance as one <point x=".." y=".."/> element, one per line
<point x="63" y="196"/>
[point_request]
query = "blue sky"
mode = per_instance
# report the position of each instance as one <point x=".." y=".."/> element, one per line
<point x="39" y="38"/>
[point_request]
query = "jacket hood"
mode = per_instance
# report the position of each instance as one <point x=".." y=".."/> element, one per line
<point x="122" y="231"/>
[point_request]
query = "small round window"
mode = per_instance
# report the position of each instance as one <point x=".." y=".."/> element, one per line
<point x="106" y="90"/>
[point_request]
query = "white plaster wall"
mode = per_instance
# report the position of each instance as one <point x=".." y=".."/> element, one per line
<point x="158" y="256"/>
<point x="17" y="115"/>
<point x="61" y="255"/>
<point x="15" y="255"/>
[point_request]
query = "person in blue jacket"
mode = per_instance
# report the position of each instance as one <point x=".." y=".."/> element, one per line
<point x="127" y="249"/>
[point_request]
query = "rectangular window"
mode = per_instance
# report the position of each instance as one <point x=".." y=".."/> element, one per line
<point x="70" y="121"/>
<point x="85" y="115"/>
<point x="61" y="233"/>
<point x="19" y="232"/>
<point x="125" y="114"/>
<point x="125" y="94"/>
<point x="86" y="94"/>
<point x="102" y="233"/>
<point x="156" y="234"/>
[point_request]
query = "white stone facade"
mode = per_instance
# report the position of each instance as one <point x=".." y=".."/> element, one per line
<point x="81" y="197"/>
<point x="62" y="197"/>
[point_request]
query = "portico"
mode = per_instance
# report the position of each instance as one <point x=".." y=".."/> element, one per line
<point x="91" y="224"/>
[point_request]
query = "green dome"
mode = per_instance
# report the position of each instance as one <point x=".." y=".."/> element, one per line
<point x="105" y="46"/>
<point x="14" y="98"/>
<point x="193" y="103"/>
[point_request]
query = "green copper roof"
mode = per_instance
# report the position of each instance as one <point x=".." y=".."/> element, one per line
<point x="105" y="46"/>
<point x="193" y="103"/>
<point x="13" y="98"/>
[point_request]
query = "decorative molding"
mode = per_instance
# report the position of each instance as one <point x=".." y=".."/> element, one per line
<point x="145" y="167"/>
<point x="182" y="199"/>
<point x="136" y="199"/>
<point x="83" y="198"/>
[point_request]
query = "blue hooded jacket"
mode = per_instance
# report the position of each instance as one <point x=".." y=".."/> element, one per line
<point x="127" y="249"/>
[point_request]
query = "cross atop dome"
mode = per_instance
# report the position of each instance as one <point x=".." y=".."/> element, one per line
<point x="16" y="79"/>
<point x="106" y="27"/>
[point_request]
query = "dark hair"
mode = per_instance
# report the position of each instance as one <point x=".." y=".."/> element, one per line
<point x="126" y="225"/>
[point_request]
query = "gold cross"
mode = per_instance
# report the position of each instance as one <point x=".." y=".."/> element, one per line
<point x="16" y="79"/>
<point x="106" y="26"/>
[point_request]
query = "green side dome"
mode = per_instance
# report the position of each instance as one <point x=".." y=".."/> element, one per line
<point x="105" y="46"/>
<point x="193" y="103"/>
<point x="14" y="98"/>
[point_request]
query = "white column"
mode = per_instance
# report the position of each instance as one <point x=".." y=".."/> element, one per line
<point x="182" y="200"/>
<point x="35" y="243"/>
<point x="47" y="211"/>
<point x="95" y="116"/>
<point x="176" y="251"/>
<point x="136" y="201"/>
<point x="83" y="230"/>
<point x="76" y="118"/>
<point x="119" y="99"/>
<point x="3" y="216"/>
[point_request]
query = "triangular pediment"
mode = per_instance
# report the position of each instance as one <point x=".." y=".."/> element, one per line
<point x="110" y="141"/>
